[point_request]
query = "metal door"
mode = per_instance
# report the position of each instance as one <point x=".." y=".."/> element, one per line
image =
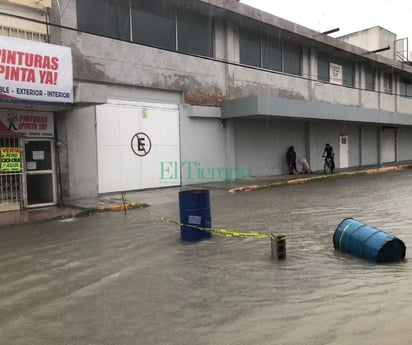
<point x="137" y="144"/>
<point x="40" y="173"/>
<point x="388" y="145"/>
<point x="11" y="174"/>
<point x="343" y="151"/>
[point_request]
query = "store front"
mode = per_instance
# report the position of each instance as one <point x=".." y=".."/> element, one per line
<point x="35" y="80"/>
<point x="27" y="164"/>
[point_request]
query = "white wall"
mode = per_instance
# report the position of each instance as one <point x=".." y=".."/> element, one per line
<point x="336" y="94"/>
<point x="370" y="146"/>
<point x="261" y="144"/>
<point x="404" y="105"/>
<point x="388" y="145"/>
<point x="30" y="11"/>
<point x="203" y="148"/>
<point x="82" y="157"/>
<point x="78" y="132"/>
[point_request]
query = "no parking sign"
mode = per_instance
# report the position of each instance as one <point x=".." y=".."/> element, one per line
<point x="141" y="144"/>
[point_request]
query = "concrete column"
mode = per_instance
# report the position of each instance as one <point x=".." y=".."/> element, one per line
<point x="230" y="142"/>
<point x="221" y="40"/>
<point x="312" y="72"/>
<point x="306" y="62"/>
<point x="360" y="80"/>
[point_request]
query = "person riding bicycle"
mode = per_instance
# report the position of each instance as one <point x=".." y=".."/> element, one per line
<point x="329" y="154"/>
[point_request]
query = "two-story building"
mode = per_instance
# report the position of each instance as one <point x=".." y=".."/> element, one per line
<point x="32" y="72"/>
<point x="184" y="91"/>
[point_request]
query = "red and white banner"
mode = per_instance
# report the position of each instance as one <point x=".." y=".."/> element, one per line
<point x="35" y="71"/>
<point x="26" y="123"/>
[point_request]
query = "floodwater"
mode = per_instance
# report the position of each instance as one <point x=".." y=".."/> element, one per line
<point x="128" y="279"/>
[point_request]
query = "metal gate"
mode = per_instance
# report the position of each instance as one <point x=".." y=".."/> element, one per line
<point x="11" y="174"/>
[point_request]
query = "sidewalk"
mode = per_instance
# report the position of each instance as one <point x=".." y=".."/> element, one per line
<point x="164" y="195"/>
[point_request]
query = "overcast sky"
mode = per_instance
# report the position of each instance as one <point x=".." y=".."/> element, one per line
<point x="348" y="15"/>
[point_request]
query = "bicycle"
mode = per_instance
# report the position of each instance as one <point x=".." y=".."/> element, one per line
<point x="328" y="166"/>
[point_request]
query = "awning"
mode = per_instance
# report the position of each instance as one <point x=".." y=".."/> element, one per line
<point x="254" y="106"/>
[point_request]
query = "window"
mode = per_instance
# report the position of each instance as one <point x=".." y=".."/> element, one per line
<point x="151" y="22"/>
<point x="348" y="69"/>
<point x="323" y="67"/>
<point x="348" y="73"/>
<point x="269" y="52"/>
<point x="369" y="78"/>
<point x="292" y="59"/>
<point x="195" y="34"/>
<point x="272" y="53"/>
<point x="249" y="48"/>
<point x="112" y="19"/>
<point x="387" y="82"/>
<point x="154" y="23"/>
<point x="405" y="87"/>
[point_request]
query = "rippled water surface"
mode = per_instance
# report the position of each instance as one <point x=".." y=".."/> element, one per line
<point x="116" y="279"/>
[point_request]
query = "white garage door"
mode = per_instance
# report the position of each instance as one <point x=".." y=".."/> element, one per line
<point x="134" y="140"/>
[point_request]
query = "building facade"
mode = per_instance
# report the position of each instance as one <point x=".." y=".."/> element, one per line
<point x="181" y="92"/>
<point x="32" y="73"/>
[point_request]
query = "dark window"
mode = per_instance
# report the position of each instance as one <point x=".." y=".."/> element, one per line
<point x="348" y="73"/>
<point x="323" y="67"/>
<point x="269" y="52"/>
<point x="249" y="48"/>
<point x="369" y="78"/>
<point x="195" y="34"/>
<point x="406" y="87"/>
<point x="104" y="17"/>
<point x="154" y="23"/>
<point x="387" y="82"/>
<point x="272" y="53"/>
<point x="292" y="59"/>
<point x="39" y="152"/>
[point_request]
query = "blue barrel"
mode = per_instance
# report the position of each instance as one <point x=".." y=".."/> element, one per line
<point x="366" y="242"/>
<point x="194" y="210"/>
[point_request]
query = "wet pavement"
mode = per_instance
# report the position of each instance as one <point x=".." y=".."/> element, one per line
<point x="37" y="215"/>
<point x="72" y="208"/>
<point x="116" y="278"/>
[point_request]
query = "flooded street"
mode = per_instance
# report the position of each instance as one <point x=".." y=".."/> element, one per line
<point x="116" y="279"/>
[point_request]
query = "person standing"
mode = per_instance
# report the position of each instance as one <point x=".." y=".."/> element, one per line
<point x="291" y="160"/>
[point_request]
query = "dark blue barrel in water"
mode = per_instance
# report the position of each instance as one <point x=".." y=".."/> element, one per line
<point x="194" y="210"/>
<point x="366" y="242"/>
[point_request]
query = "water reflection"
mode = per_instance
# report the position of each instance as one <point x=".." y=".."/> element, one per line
<point x="129" y="280"/>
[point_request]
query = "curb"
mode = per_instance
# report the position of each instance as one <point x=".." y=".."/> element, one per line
<point x="321" y="177"/>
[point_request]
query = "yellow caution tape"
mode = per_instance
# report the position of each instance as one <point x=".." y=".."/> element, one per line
<point x="220" y="231"/>
<point x="215" y="231"/>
